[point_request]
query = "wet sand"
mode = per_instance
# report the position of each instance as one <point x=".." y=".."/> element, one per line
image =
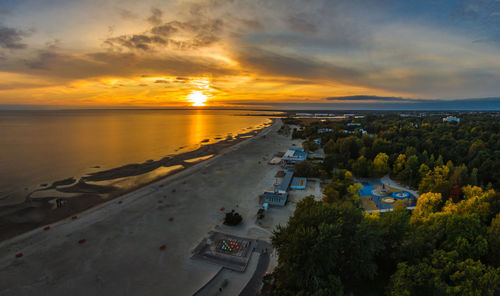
<point x="121" y="255"/>
<point x="74" y="196"/>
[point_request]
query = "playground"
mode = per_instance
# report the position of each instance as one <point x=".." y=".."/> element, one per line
<point x="377" y="196"/>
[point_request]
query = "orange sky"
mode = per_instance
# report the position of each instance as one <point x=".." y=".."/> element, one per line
<point x="179" y="53"/>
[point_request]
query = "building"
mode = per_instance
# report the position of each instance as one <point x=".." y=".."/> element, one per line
<point x="317" y="141"/>
<point x="275" y="199"/>
<point x="304" y="115"/>
<point x="324" y="130"/>
<point x="321" y="115"/>
<point x="451" y="119"/>
<point x="354" y="124"/>
<point x="299" y="183"/>
<point x="279" y="195"/>
<point x="294" y="155"/>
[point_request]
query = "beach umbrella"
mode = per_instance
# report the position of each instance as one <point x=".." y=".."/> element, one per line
<point x="19" y="255"/>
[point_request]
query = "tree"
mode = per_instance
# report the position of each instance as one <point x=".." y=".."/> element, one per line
<point x="494" y="241"/>
<point x="310" y="146"/>
<point x="381" y="164"/>
<point x="324" y="249"/>
<point x="341" y="189"/>
<point x="399" y="164"/>
<point x="436" y="181"/>
<point x="362" y="167"/>
<point x="307" y="169"/>
<point x="427" y="204"/>
<point x="445" y="274"/>
<point x="232" y="218"/>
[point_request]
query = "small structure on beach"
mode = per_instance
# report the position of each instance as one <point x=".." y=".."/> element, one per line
<point x="279" y="195"/>
<point x="294" y="155"/>
<point x="230" y="251"/>
<point x="299" y="183"/>
<point x="275" y="160"/>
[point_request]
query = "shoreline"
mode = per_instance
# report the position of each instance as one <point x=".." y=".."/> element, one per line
<point x="84" y="194"/>
<point x="121" y="239"/>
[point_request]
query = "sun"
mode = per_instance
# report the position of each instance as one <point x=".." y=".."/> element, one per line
<point x="197" y="98"/>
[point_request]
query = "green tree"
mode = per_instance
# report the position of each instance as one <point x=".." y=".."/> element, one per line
<point x="381" y="164"/>
<point x="323" y="249"/>
<point x="307" y="169"/>
<point x="399" y="164"/>
<point x="436" y="181"/>
<point x="362" y="167"/>
<point x="494" y="241"/>
<point x="445" y="274"/>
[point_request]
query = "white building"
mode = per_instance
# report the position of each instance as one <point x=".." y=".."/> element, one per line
<point x="451" y="119"/>
<point x="324" y="130"/>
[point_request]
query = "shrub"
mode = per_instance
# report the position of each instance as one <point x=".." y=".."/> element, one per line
<point x="232" y="218"/>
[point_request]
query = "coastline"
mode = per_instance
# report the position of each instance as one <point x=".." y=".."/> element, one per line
<point x="122" y="240"/>
<point x="91" y="190"/>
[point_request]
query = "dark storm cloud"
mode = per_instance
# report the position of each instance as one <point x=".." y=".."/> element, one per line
<point x="11" y="38"/>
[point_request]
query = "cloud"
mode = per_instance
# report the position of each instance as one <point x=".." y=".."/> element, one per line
<point x="127" y="14"/>
<point x="478" y="104"/>
<point x="180" y="35"/>
<point x="155" y="18"/>
<point x="11" y="38"/>
<point x="370" y="98"/>
<point x="275" y="64"/>
<point x="300" y="22"/>
<point x="67" y="67"/>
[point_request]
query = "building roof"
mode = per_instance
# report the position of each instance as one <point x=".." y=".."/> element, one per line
<point x="299" y="182"/>
<point x="287" y="180"/>
<point x="295" y="154"/>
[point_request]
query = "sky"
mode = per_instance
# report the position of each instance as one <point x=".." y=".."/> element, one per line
<point x="240" y="53"/>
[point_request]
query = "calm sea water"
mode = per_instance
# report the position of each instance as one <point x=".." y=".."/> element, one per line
<point x="39" y="147"/>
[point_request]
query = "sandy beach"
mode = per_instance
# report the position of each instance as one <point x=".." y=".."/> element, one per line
<point x="121" y="255"/>
<point x="77" y="194"/>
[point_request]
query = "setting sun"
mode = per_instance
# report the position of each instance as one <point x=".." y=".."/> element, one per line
<point x="197" y="98"/>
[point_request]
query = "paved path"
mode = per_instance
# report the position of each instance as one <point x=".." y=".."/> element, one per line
<point x="253" y="286"/>
<point x="390" y="182"/>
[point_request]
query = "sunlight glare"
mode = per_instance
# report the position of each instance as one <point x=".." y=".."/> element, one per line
<point x="197" y="98"/>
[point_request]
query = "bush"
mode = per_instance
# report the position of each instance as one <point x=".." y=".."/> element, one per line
<point x="233" y="218"/>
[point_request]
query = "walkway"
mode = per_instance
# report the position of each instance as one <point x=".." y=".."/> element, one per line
<point x="390" y="182"/>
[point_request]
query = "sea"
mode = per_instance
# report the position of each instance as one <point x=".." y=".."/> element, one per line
<point x="43" y="146"/>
